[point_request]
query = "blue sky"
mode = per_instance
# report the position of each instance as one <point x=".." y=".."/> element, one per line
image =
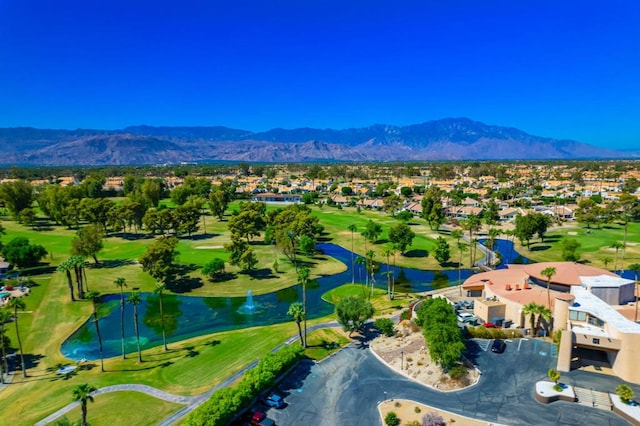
<point x="563" y="69"/>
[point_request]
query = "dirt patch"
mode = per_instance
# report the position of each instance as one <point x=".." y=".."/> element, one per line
<point x="406" y="353"/>
<point x="406" y="412"/>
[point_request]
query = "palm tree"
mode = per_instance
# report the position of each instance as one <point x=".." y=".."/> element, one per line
<point x="549" y="273"/>
<point x="303" y="279"/>
<point x="82" y="394"/>
<point x="66" y="268"/>
<point x="296" y="310"/>
<point x="389" y="250"/>
<point x="135" y="299"/>
<point x="360" y="261"/>
<point x="473" y="225"/>
<point x="121" y="283"/>
<point x="370" y="268"/>
<point x="15" y="304"/>
<point x="94" y="296"/>
<point x="160" y="288"/>
<point x="542" y="312"/>
<point x="635" y="267"/>
<point x="494" y="233"/>
<point x="474" y="246"/>
<point x="530" y="309"/>
<point x="606" y="261"/>
<point x="353" y="228"/>
<point x="461" y="248"/>
<point x="5" y="317"/>
<point x="77" y="263"/>
<point x="617" y="246"/>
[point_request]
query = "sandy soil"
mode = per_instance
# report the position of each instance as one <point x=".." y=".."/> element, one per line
<point x="406" y="353"/>
<point x="406" y="412"/>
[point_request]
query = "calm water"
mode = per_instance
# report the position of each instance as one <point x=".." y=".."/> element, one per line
<point x="187" y="316"/>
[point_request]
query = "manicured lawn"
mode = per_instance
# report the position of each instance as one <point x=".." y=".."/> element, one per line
<point x="595" y="244"/>
<point x="379" y="300"/>
<point x="323" y="342"/>
<point x="419" y="255"/>
<point x="134" y="407"/>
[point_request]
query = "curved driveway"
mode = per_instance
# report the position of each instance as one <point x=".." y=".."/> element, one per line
<point x="345" y="389"/>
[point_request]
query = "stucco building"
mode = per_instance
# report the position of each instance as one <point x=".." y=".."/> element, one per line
<point x="586" y="303"/>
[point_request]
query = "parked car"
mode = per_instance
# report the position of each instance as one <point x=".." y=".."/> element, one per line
<point x="490" y="325"/>
<point x="258" y="418"/>
<point x="466" y="317"/>
<point x="498" y="346"/>
<point x="274" y="400"/>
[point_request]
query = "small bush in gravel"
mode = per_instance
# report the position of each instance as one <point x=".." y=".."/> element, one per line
<point x="432" y="419"/>
<point x="391" y="419"/>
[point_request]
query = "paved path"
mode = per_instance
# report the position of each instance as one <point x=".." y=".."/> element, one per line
<point x="190" y="402"/>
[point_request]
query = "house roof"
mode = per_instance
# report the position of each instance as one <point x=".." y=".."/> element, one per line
<point x="567" y="273"/>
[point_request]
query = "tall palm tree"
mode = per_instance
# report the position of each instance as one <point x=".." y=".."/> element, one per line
<point x="5" y="317"/>
<point x="606" y="260"/>
<point x="461" y="248"/>
<point x="549" y="273"/>
<point x="542" y="312"/>
<point x="389" y="250"/>
<point x="296" y="310"/>
<point x="94" y="296"/>
<point x="353" y="228"/>
<point x="360" y="261"/>
<point x="15" y="304"/>
<point x="160" y="288"/>
<point x="635" y="267"/>
<point x="135" y="299"/>
<point x="82" y="394"/>
<point x="494" y="233"/>
<point x="370" y="268"/>
<point x="303" y="279"/>
<point x="66" y="268"/>
<point x="121" y="283"/>
<point x="530" y="309"/>
<point x="617" y="246"/>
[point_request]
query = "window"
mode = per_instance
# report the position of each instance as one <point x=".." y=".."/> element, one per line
<point x="577" y="316"/>
<point x="596" y="341"/>
<point x="596" y="321"/>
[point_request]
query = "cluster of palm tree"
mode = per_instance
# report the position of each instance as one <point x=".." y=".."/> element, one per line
<point x="539" y="312"/>
<point x="14" y="304"/>
<point x="298" y="310"/>
<point x="77" y="265"/>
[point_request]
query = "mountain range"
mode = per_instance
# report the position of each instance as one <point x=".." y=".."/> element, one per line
<point x="446" y="139"/>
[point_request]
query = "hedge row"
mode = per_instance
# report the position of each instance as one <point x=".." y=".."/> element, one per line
<point x="225" y="403"/>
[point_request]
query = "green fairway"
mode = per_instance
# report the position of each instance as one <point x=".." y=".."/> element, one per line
<point x="137" y="408"/>
<point x="323" y="342"/>
<point x="595" y="245"/>
<point x="379" y="299"/>
<point x="418" y="256"/>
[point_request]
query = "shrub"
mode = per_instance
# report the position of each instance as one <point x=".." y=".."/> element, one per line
<point x="385" y="325"/>
<point x="223" y="405"/>
<point x="397" y="404"/>
<point x="553" y="375"/>
<point x="625" y="393"/>
<point x="417" y="409"/>
<point x="391" y="419"/>
<point x="432" y="419"/>
<point x="497" y="333"/>
<point x="458" y="373"/>
<point x="405" y="315"/>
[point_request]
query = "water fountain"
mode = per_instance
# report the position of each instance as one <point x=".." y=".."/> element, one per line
<point x="249" y="307"/>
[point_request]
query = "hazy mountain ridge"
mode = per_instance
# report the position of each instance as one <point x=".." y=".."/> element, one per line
<point x="446" y="139"/>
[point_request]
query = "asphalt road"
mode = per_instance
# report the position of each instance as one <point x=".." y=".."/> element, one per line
<point x="346" y="388"/>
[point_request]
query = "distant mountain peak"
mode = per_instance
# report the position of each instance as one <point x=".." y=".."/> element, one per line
<point x="444" y="139"/>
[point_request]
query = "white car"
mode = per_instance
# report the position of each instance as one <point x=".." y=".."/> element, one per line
<point x="466" y="317"/>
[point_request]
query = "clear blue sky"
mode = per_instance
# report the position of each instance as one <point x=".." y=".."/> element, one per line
<point x="564" y="69"/>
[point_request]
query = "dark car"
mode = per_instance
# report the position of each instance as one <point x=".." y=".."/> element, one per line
<point x="498" y="346"/>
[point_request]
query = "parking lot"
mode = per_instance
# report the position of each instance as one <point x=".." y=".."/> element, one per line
<point x="346" y="388"/>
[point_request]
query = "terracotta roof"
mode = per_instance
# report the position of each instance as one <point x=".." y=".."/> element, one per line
<point x="567" y="273"/>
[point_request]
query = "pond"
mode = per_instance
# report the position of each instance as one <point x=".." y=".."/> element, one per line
<point x="188" y="316"/>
